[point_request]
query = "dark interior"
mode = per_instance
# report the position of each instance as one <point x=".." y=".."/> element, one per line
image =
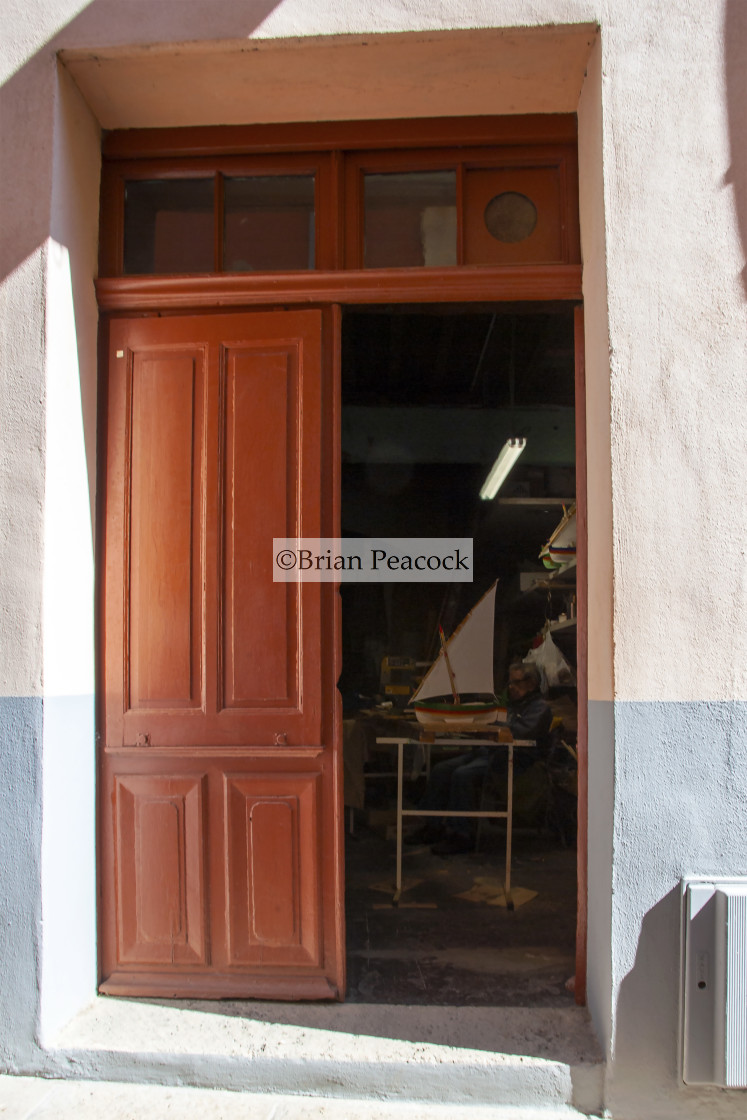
<point x="430" y="395"/>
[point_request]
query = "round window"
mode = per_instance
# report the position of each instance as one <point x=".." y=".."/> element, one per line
<point x="510" y="216"/>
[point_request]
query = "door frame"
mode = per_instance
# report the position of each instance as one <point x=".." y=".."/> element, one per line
<point x="331" y="288"/>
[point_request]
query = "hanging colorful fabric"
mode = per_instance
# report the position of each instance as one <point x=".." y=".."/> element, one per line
<point x="561" y="546"/>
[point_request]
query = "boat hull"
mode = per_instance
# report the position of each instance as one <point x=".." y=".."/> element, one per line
<point x="451" y="716"/>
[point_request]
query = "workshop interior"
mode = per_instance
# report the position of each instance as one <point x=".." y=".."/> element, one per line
<point x="459" y="421"/>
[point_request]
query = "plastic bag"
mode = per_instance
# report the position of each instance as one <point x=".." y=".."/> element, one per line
<point x="550" y="661"/>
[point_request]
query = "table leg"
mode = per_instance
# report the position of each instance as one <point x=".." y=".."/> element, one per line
<point x="509" y="826"/>
<point x="400" y="776"/>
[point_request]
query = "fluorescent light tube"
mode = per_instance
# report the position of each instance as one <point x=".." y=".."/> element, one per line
<point x="510" y="452"/>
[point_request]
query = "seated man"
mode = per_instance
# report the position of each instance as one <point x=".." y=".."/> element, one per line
<point x="453" y="784"/>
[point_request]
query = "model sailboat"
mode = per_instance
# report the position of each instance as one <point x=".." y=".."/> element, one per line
<point x="458" y="689"/>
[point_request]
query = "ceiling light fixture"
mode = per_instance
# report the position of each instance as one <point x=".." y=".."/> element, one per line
<point x="499" y="472"/>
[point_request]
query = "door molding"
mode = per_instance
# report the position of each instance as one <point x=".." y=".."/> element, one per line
<point x="434" y="285"/>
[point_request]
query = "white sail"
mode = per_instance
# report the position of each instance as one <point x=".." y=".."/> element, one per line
<point x="470" y="650"/>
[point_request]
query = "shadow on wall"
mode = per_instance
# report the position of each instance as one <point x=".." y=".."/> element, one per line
<point x="30" y="127"/>
<point x="646" y="1083"/>
<point x="735" y="53"/>
<point x="26" y="98"/>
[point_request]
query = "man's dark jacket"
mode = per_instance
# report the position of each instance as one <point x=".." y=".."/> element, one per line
<point x="530" y="718"/>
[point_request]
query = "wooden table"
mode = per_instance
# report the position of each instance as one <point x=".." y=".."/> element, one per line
<point x="460" y="741"/>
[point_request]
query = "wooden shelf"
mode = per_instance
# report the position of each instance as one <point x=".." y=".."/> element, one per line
<point x="535" y="502"/>
<point x="553" y="581"/>
<point x="566" y="624"/>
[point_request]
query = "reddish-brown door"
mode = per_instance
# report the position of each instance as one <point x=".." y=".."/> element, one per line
<point x="221" y="862"/>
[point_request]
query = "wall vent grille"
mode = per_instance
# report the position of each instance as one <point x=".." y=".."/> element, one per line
<point x="714" y="982"/>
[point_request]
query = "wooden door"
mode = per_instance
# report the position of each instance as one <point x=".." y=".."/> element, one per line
<point x="221" y="866"/>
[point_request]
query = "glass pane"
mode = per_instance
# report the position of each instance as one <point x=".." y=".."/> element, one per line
<point x="268" y="223"/>
<point x="168" y="225"/>
<point x="410" y="219"/>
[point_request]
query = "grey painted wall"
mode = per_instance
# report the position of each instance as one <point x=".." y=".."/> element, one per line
<point x="601" y="822"/>
<point x="20" y="866"/>
<point x="680" y="797"/>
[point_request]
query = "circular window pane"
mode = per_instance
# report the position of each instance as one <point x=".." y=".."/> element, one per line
<point x="510" y="216"/>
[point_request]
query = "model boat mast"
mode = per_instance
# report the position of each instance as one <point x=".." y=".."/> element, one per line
<point x="464" y="667"/>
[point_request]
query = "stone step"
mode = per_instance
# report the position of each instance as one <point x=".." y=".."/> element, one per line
<point x="29" y="1098"/>
<point x="539" y="1059"/>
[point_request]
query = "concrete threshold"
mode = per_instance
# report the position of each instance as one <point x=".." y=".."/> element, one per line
<point x="29" y="1098"/>
<point x="520" y="1060"/>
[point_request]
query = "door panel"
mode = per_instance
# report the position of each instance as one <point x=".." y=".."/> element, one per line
<point x="273" y="881"/>
<point x="164" y="560"/>
<point x="258" y="672"/>
<point x="160" y="870"/>
<point x="221" y="826"/>
<point x="208" y="455"/>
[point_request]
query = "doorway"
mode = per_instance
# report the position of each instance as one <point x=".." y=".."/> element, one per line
<point x="430" y="393"/>
<point x="226" y="758"/>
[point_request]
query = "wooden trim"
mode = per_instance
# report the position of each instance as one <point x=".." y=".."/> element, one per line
<point x="215" y="751"/>
<point x="460" y="214"/>
<point x="569" y="209"/>
<point x="289" y="984"/>
<point x="332" y="358"/>
<point x="396" y="285"/>
<point x="102" y="410"/>
<point x="336" y="215"/>
<point x="338" y="156"/>
<point x="114" y="175"/>
<point x="111" y="222"/>
<point x="218" y="220"/>
<point x="373" y="161"/>
<point x="140" y="143"/>
<point x="229" y="164"/>
<point x="582" y="647"/>
<point x="352" y="217"/>
<point x="328" y="205"/>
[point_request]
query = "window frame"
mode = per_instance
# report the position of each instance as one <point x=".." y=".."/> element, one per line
<point x="338" y="155"/>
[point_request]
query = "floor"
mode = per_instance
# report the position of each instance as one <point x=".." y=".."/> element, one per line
<point x="451" y="941"/>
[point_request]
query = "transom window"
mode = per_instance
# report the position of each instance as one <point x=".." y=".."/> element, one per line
<point x="418" y="206"/>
